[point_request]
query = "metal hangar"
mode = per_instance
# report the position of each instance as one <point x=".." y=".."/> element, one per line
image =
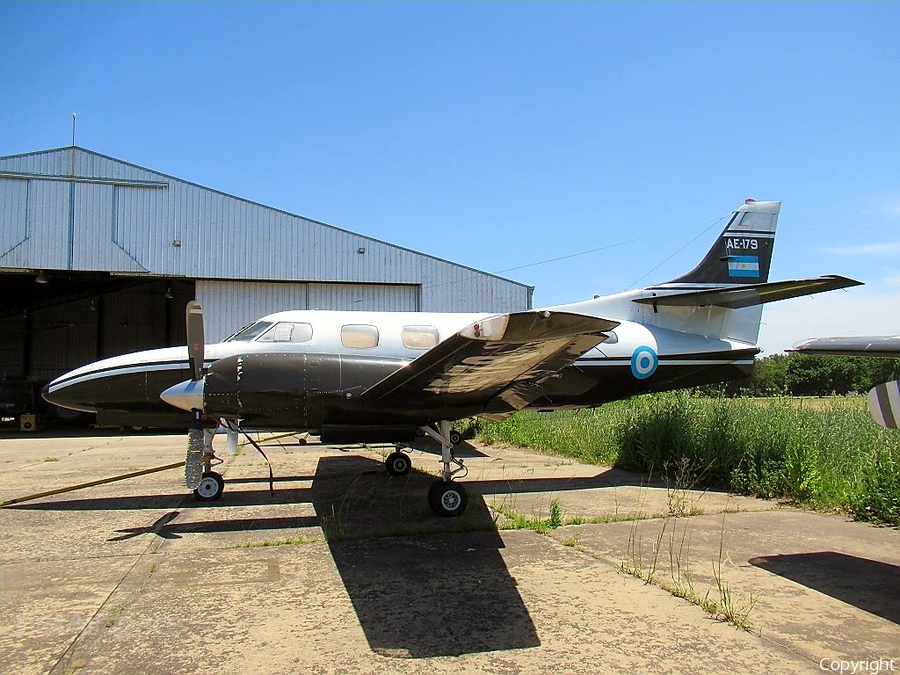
<point x="98" y="257"/>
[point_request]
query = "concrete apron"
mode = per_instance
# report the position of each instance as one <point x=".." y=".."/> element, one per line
<point x="345" y="569"/>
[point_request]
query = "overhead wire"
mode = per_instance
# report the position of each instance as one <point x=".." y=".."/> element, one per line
<point x="545" y="262"/>
<point x="653" y="269"/>
<point x="593" y="250"/>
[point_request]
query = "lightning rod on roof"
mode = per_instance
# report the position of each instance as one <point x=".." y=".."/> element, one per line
<point x="73" y="144"/>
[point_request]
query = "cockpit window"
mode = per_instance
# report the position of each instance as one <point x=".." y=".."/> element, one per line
<point x="288" y="331"/>
<point x="249" y="332"/>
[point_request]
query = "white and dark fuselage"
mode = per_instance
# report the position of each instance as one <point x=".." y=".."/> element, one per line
<point x="307" y="370"/>
<point x="367" y="376"/>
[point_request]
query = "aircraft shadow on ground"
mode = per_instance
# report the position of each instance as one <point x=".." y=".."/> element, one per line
<point x="416" y="594"/>
<point x="292" y="495"/>
<point x="166" y="529"/>
<point x="870" y="585"/>
<point x="419" y="595"/>
<point x="282" y="495"/>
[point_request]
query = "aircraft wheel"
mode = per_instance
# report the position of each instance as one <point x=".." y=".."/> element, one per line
<point x="432" y="495"/>
<point x="448" y="499"/>
<point x="398" y="464"/>
<point x="420" y="431"/>
<point x="455" y="438"/>
<point x="211" y="487"/>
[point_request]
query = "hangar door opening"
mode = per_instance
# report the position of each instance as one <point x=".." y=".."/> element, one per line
<point x="72" y="318"/>
<point x="230" y="305"/>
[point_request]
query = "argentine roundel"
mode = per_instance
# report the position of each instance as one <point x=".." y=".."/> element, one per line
<point x="644" y="362"/>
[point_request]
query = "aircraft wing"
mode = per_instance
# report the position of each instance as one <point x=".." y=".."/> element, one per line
<point x="881" y="345"/>
<point x="499" y="361"/>
<point x="736" y="297"/>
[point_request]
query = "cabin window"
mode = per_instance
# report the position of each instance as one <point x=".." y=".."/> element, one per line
<point x="420" y="337"/>
<point x="249" y="332"/>
<point x="359" y="336"/>
<point x="288" y="331"/>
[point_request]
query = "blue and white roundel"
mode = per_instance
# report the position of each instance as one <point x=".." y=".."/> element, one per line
<point x="644" y="362"/>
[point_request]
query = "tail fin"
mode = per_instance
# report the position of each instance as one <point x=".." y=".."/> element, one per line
<point x="743" y="252"/>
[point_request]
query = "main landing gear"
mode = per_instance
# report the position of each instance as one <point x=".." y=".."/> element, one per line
<point x="446" y="497"/>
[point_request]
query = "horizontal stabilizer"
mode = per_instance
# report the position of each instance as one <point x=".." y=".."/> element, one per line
<point x="736" y="297"/>
<point x="500" y="360"/>
<point x="880" y="345"/>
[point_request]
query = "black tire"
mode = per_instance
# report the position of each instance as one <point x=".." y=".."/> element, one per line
<point x="420" y="432"/>
<point x="398" y="464"/>
<point x="455" y="438"/>
<point x="211" y="487"/>
<point x="433" y="495"/>
<point x="448" y="499"/>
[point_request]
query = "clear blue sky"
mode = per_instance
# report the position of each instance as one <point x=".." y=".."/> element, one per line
<point x="500" y="134"/>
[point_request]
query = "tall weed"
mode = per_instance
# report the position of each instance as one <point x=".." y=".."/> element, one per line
<point x="828" y="455"/>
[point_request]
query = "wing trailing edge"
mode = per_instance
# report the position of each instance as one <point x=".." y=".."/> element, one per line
<point x="498" y="363"/>
<point x="737" y="297"/>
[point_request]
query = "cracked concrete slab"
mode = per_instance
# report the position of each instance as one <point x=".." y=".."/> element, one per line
<point x="345" y="569"/>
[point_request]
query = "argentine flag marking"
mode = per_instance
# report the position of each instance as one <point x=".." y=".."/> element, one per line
<point x="743" y="266"/>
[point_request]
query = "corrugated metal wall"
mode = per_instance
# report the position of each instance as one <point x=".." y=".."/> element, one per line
<point x="129" y="219"/>
<point x="230" y="305"/>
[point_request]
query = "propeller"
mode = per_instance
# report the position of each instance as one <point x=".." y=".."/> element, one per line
<point x="884" y="404"/>
<point x="194" y="323"/>
<point x="193" y="465"/>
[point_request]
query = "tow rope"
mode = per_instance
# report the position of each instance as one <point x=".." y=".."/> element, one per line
<point x="81" y="486"/>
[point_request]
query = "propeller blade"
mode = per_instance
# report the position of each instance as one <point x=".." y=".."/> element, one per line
<point x="196" y="345"/>
<point x="884" y="404"/>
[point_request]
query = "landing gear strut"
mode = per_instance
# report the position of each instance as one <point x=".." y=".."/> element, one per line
<point x="201" y="458"/>
<point x="446" y="497"/>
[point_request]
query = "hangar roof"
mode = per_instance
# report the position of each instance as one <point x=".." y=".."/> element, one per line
<point x="72" y="208"/>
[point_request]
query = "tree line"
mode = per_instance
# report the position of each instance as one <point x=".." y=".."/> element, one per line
<point x="810" y="375"/>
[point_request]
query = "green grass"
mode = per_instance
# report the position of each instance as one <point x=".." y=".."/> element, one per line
<point x="297" y="540"/>
<point x="831" y="456"/>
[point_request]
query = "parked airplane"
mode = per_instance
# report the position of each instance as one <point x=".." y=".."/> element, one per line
<point x="883" y="399"/>
<point x="384" y="376"/>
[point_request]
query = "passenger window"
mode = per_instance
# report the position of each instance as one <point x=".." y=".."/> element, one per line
<point x="420" y="337"/>
<point x="359" y="336"/>
<point x="287" y="331"/>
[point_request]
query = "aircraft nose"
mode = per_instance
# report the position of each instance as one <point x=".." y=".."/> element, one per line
<point x="66" y="396"/>
<point x="187" y="395"/>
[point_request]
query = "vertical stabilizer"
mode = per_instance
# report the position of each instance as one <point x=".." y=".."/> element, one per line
<point x="743" y="252"/>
